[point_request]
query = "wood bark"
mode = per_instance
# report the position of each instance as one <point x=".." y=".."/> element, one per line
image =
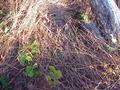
<point x="108" y="17"/>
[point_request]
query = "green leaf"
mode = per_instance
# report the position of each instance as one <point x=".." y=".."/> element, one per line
<point x="84" y="17"/>
<point x="35" y="50"/>
<point x="50" y="81"/>
<point x="28" y="58"/>
<point x="52" y="69"/>
<point x="31" y="72"/>
<point x="35" y="42"/>
<point x="35" y="47"/>
<point x="36" y="73"/>
<point x="54" y="75"/>
<point x="4" y="82"/>
<point x="58" y="74"/>
<point x="24" y="57"/>
<point x="35" y="65"/>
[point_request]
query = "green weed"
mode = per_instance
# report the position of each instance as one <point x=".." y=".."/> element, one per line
<point x="84" y="18"/>
<point x="31" y="71"/>
<point x="54" y="75"/>
<point x="25" y="57"/>
<point x="27" y="52"/>
<point x="35" y="48"/>
<point x="4" y="83"/>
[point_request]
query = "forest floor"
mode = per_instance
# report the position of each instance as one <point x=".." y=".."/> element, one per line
<point x="47" y="46"/>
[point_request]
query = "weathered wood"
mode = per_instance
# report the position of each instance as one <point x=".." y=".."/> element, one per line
<point x="108" y="16"/>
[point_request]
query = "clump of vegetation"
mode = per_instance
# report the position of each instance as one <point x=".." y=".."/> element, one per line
<point x="27" y="52"/>
<point x="84" y="18"/>
<point x="54" y="76"/>
<point x="25" y="58"/>
<point x="4" y="82"/>
<point x="31" y="70"/>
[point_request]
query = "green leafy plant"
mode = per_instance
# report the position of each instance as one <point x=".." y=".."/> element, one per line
<point x="31" y="71"/>
<point x="54" y="75"/>
<point x="24" y="57"/>
<point x="4" y="83"/>
<point x="35" y="48"/>
<point x="28" y="51"/>
<point x="84" y="18"/>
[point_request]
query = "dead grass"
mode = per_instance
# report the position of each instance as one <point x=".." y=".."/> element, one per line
<point x="70" y="48"/>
